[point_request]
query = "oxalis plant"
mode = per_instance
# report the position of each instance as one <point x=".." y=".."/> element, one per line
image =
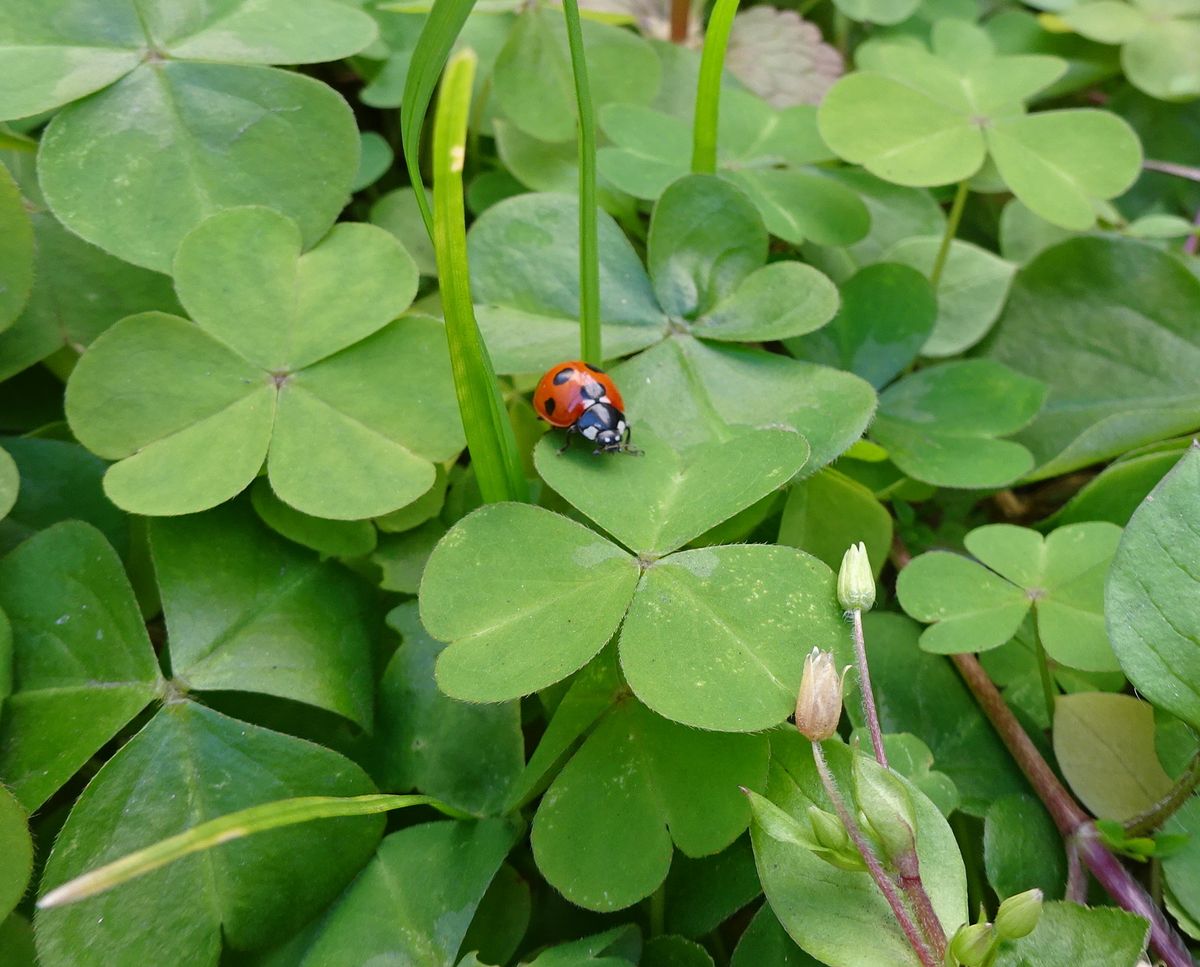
<point x="316" y="652"/>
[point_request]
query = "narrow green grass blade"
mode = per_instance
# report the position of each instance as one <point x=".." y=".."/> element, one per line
<point x="223" y="829"/>
<point x="589" y="240"/>
<point x="490" y="437"/>
<point x="708" y="93"/>
<point x="444" y="24"/>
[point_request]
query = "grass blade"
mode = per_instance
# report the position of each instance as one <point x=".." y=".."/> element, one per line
<point x="490" y="437"/>
<point x="441" y="30"/>
<point x="589" y="240"/>
<point x="708" y="93"/>
<point x="225" y="829"/>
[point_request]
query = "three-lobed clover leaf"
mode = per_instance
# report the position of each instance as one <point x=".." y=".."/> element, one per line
<point x="1158" y="38"/>
<point x="768" y="154"/>
<point x="925" y="118"/>
<point x="939" y="425"/>
<point x="292" y="358"/>
<point x="209" y="121"/>
<point x="525" y="597"/>
<point x="977" y="605"/>
<point x="16" y="251"/>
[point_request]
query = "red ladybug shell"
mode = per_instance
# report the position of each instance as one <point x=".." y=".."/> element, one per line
<point x="570" y="388"/>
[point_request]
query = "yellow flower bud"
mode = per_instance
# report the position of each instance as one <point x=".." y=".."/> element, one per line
<point x="1018" y="915"/>
<point x="819" y="705"/>
<point x="856" y="583"/>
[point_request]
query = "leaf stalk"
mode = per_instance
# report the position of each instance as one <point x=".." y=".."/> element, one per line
<point x="952" y="220"/>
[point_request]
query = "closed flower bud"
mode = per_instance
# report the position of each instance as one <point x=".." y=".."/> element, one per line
<point x="819" y="705"/>
<point x="828" y="829"/>
<point x="856" y="583"/>
<point x="888" y="809"/>
<point x="973" y="944"/>
<point x="1018" y="915"/>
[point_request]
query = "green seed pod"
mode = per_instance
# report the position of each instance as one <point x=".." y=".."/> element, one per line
<point x="1018" y="915"/>
<point x="973" y="943"/>
<point x="888" y="808"/>
<point x="856" y="583"/>
<point x="828" y="829"/>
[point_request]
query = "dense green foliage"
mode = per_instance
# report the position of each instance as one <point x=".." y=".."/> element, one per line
<point x="308" y="630"/>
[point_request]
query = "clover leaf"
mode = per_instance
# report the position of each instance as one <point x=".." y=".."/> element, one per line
<point x="604" y="831"/>
<point x="924" y="118"/>
<point x="767" y="153"/>
<point x="525" y="597"/>
<point x="207" y="124"/>
<point x="16" y="251"/>
<point x="292" y="358"/>
<point x="978" y="605"/>
<point x="187" y="765"/>
<point x="939" y="425"/>
<point x="1158" y="39"/>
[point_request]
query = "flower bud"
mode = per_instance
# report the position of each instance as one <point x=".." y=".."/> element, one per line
<point x="888" y="808"/>
<point x="1018" y="915"/>
<point x="828" y="829"/>
<point x="819" y="705"/>
<point x="973" y="944"/>
<point x="856" y="583"/>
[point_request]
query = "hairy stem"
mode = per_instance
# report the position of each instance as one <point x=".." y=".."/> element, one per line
<point x="878" y="873"/>
<point x="909" y="868"/>
<point x="952" y="220"/>
<point x="1076" y="877"/>
<point x="866" y="694"/>
<point x="1166" y="807"/>
<point x="589" y="243"/>
<point x="1072" y="822"/>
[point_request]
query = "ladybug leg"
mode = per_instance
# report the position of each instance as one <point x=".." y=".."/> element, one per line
<point x="567" y="445"/>
<point x="627" y="447"/>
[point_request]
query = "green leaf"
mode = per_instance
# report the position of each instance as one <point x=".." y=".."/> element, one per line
<point x="970" y="295"/>
<point x="252" y="892"/>
<point x="604" y="831"/>
<point x="1115" y="493"/>
<point x="414" y="901"/>
<point x="82" y="663"/>
<point x="463" y="754"/>
<point x="1150" y="599"/>
<point x="59" y="481"/>
<point x="703" y="893"/>
<point x="658" y="502"/>
<point x="1057" y="162"/>
<point x="425" y="507"/>
<point x="10" y="483"/>
<point x="674" y="951"/>
<point x="1107" y="324"/>
<point x="1084" y="937"/>
<point x="502" y="918"/>
<point x="1182" y="869"/>
<point x="800" y="206"/>
<point x="777" y="301"/>
<point x="925" y="696"/>
<point x="766" y="944"/>
<point x="912" y="758"/>
<point x="336" y="538"/>
<point x="939" y="425"/>
<point x="257" y="377"/>
<point x="887" y="313"/>
<point x="532" y="78"/>
<point x="505" y="588"/>
<point x="375" y="158"/>
<point x="16" y="250"/>
<point x="836" y="915"/>
<point x="205" y="134"/>
<point x="705" y="239"/>
<point x="1022" y="849"/>
<point x="398" y="212"/>
<point x="524" y="255"/>
<point x="18" y="852"/>
<point x="1061" y="577"/>
<point x="878" y="11"/>
<point x="248" y="611"/>
<point x="1104" y="745"/>
<point x="828" y="512"/>
<point x="402" y="557"/>
<point x="78" y="292"/>
<point x="687" y="392"/>
<point x="613" y="948"/>
<point x="710" y="639"/>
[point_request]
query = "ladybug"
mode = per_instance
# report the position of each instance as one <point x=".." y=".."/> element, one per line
<point x="584" y="399"/>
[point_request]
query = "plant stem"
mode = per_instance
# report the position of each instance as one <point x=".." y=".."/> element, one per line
<point x="878" y="873"/>
<point x="952" y="220"/>
<point x="681" y="13"/>
<point x="1166" y="807"/>
<point x="1193" y="242"/>
<point x="909" y="868"/>
<point x="1072" y="822"/>
<point x="1076" y="877"/>
<point x="708" y="91"/>
<point x="1049" y="693"/>
<point x="866" y="694"/>
<point x="225" y="829"/>
<point x="1171" y="168"/>
<point x="589" y="244"/>
<point x="658" y="910"/>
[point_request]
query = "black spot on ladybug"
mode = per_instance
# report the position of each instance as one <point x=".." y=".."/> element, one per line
<point x="594" y="369"/>
<point x="548" y="406"/>
<point x="562" y="376"/>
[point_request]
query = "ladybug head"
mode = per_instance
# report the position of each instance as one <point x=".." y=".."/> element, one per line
<point x="609" y="441"/>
